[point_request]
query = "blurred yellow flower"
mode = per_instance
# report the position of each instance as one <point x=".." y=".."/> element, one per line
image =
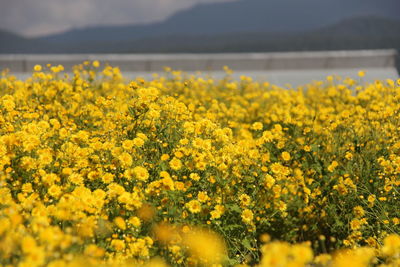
<point x="285" y="156"/>
<point x="194" y="206"/>
<point x="141" y="173"/>
<point x="175" y="164"/>
<point x="247" y="216"/>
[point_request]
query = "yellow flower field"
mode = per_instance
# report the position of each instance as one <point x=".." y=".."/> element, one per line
<point x="189" y="171"/>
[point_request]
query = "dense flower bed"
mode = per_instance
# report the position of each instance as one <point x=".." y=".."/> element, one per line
<point x="190" y="171"/>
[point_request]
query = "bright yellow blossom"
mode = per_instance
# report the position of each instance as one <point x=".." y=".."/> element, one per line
<point x="141" y="173"/>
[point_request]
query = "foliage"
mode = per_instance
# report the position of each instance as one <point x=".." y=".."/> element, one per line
<point x="184" y="170"/>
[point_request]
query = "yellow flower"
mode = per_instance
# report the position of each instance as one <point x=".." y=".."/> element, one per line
<point x="257" y="126"/>
<point x="358" y="257"/>
<point x="165" y="174"/>
<point x="96" y="64"/>
<point x="371" y="199"/>
<point x="184" y="141"/>
<point x="142" y="135"/>
<point x="194" y="176"/>
<point x="107" y="178"/>
<point x="358" y="211"/>
<point x="349" y="156"/>
<point x="28" y="244"/>
<point x="127" y="144"/>
<point x="269" y="181"/>
<point x="50" y="178"/>
<point x="76" y="178"/>
<point x="135" y="221"/>
<point x="178" y="154"/>
<point x="141" y="173"/>
<point x="371" y="242"/>
<point x="153" y="114"/>
<point x="247" y="216"/>
<point x="54" y="190"/>
<point x="206" y="246"/>
<point x="217" y="212"/>
<point x="286" y="156"/>
<point x="245" y="200"/>
<point x="45" y="158"/>
<point x="139" y="142"/>
<point x="355" y="224"/>
<point x="90" y="162"/>
<point x="125" y="159"/>
<point x="175" y="164"/>
<point x="8" y="104"/>
<point x="179" y="186"/>
<point x="27" y="188"/>
<point x="194" y="206"/>
<point x="94" y="251"/>
<point x="168" y="183"/>
<point x="120" y="223"/>
<point x="37" y="68"/>
<point x="125" y="198"/>
<point x="202" y="196"/>
<point x="391" y="245"/>
<point x="118" y="244"/>
<point x="164" y="157"/>
<point x="333" y="166"/>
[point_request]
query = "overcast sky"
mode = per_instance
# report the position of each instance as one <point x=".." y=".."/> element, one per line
<point x="40" y="17"/>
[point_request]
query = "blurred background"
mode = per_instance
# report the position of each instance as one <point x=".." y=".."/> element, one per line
<point x="202" y="26"/>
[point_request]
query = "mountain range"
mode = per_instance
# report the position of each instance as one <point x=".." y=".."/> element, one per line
<point x="244" y="25"/>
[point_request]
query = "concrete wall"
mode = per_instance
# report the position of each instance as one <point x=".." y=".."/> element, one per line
<point x="214" y="62"/>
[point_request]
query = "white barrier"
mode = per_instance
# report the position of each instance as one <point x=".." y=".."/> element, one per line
<point x="212" y="62"/>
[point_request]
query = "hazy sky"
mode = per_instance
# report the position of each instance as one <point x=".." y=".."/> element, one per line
<point x="38" y="17"/>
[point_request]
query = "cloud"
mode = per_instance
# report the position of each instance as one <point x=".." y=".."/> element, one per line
<point x="38" y="17"/>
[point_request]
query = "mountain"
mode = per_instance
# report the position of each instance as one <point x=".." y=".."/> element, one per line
<point x="357" y="33"/>
<point x="368" y="32"/>
<point x="267" y="16"/>
<point x="13" y="43"/>
<point x="369" y="26"/>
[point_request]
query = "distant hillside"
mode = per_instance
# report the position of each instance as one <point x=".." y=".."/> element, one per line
<point x="368" y="32"/>
<point x="272" y="16"/>
<point x="369" y="26"/>
<point x="13" y="43"/>
<point x="360" y="33"/>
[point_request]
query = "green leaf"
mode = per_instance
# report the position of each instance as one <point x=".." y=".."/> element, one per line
<point x="233" y="262"/>
<point x="232" y="227"/>
<point x="235" y="207"/>
<point x="246" y="244"/>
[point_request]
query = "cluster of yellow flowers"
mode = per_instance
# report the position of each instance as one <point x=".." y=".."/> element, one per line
<point x="184" y="170"/>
